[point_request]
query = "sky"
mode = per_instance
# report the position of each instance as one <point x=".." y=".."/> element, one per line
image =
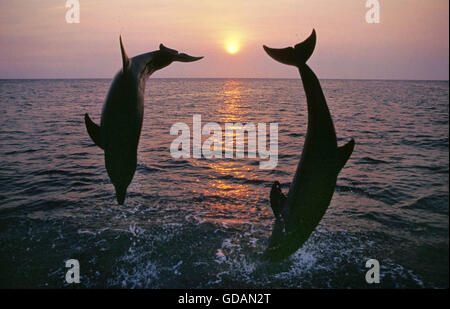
<point x="410" y="42"/>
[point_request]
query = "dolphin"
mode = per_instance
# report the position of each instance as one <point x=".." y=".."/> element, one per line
<point x="312" y="188"/>
<point x="123" y="111"/>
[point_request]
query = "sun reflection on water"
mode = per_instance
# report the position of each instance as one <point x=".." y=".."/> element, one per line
<point x="227" y="177"/>
<point x="229" y="110"/>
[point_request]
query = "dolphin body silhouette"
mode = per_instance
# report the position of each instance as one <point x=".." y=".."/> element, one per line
<point x="312" y="188"/>
<point x="123" y="111"/>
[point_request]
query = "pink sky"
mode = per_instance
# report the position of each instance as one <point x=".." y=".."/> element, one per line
<point x="410" y="42"/>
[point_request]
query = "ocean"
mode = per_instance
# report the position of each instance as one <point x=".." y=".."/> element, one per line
<point x="205" y="223"/>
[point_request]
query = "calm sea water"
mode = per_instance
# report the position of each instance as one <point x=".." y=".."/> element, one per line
<point x="198" y="223"/>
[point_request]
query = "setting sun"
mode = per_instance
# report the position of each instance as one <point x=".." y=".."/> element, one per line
<point x="232" y="48"/>
<point x="232" y="41"/>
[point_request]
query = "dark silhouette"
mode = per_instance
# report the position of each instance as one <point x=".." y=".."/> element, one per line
<point x="123" y="111"/>
<point x="321" y="161"/>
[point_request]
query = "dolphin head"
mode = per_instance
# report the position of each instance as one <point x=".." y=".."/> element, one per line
<point x="121" y="192"/>
<point x="276" y="185"/>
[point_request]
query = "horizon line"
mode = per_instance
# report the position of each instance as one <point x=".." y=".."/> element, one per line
<point x="285" y="78"/>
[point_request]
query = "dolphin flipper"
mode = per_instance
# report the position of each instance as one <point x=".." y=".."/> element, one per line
<point x="277" y="200"/>
<point x="344" y="152"/>
<point x="93" y="130"/>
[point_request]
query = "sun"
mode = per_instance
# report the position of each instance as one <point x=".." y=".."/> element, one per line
<point x="232" y="48"/>
<point x="232" y="42"/>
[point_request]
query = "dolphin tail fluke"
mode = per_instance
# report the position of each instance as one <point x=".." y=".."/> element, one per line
<point x="93" y="131"/>
<point x="181" y="57"/>
<point x="297" y="55"/>
<point x="344" y="153"/>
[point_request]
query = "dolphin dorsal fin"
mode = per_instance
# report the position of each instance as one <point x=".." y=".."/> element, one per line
<point x="93" y="131"/>
<point x="344" y="153"/>
<point x="125" y="59"/>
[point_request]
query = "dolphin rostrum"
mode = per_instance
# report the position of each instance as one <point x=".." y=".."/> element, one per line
<point x="312" y="188"/>
<point x="123" y="111"/>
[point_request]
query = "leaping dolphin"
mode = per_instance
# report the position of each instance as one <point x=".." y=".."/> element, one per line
<point x="312" y="188"/>
<point x="123" y="111"/>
